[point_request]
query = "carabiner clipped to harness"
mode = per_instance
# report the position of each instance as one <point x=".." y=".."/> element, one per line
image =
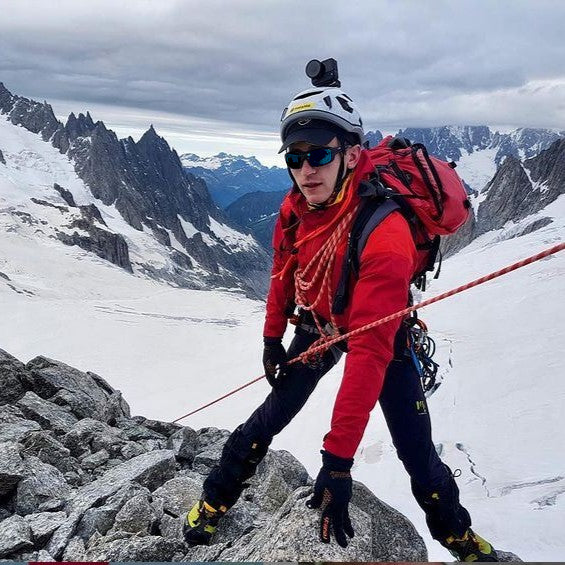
<point x="422" y="348"/>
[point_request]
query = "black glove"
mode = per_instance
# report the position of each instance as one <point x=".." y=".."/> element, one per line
<point x="332" y="492"/>
<point x="274" y="356"/>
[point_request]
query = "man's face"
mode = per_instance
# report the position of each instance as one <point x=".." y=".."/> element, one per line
<point x="318" y="183"/>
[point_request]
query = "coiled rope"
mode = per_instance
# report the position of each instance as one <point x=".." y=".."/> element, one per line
<point x="317" y="349"/>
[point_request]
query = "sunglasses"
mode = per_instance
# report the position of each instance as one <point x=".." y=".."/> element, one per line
<point x="315" y="158"/>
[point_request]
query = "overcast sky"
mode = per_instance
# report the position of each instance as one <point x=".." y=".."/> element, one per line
<point x="214" y="76"/>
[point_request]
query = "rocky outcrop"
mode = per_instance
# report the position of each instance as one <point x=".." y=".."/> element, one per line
<point x="520" y="189"/>
<point x="34" y="116"/>
<point x="80" y="479"/>
<point x="147" y="184"/>
<point x="2" y="160"/>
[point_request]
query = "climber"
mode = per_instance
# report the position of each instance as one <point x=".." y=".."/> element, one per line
<point x="322" y="134"/>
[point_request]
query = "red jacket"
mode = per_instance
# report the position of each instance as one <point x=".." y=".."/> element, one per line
<point x="387" y="265"/>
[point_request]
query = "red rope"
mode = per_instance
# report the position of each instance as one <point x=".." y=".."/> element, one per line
<point x="319" y="348"/>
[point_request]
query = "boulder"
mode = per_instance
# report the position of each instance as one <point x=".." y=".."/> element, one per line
<point x="43" y="524"/>
<point x="46" y="413"/>
<point x="136" y="516"/>
<point x="150" y="470"/>
<point x="147" y="548"/>
<point x="12" y="468"/>
<point x="14" y="379"/>
<point x="183" y="442"/>
<point x="179" y="494"/>
<point x="15" y="535"/>
<point x="95" y="460"/>
<point x="86" y="394"/>
<point x="89" y="434"/>
<point x="44" y="445"/>
<point x="44" y="488"/>
<point x="13" y="424"/>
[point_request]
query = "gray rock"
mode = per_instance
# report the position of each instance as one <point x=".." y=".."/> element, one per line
<point x="132" y="449"/>
<point x="136" y="432"/>
<point x="147" y="548"/>
<point x="96" y="520"/>
<point x="136" y="516"/>
<point x="108" y="245"/>
<point x="92" y="434"/>
<point x="43" y="525"/>
<point x="75" y="550"/>
<point x="278" y="475"/>
<point x="18" y="429"/>
<point x="15" y="535"/>
<point x="52" y="505"/>
<point x="205" y="460"/>
<point x="183" y="442"/>
<point x="44" y="445"/>
<point x="101" y="519"/>
<point x="153" y="444"/>
<point x="508" y="557"/>
<point x="12" y="468"/>
<point x="150" y="470"/>
<point x="165" y="429"/>
<point x="14" y="379"/>
<point x="179" y="494"/>
<point x="95" y="460"/>
<point x="2" y="160"/>
<point x="13" y="424"/>
<point x="44" y="487"/>
<point x="65" y="195"/>
<point x="394" y="538"/>
<point x="48" y="415"/>
<point x="40" y="556"/>
<point x="87" y="394"/>
<point x="210" y="437"/>
<point x="171" y="528"/>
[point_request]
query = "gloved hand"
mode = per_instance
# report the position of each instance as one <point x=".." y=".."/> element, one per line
<point x="332" y="492"/>
<point x="274" y="356"/>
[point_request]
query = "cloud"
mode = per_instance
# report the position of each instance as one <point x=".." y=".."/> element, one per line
<point x="405" y="63"/>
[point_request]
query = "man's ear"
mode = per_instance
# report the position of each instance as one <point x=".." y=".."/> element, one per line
<point x="352" y="156"/>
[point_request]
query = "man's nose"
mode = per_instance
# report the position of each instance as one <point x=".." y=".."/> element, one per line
<point x="308" y="169"/>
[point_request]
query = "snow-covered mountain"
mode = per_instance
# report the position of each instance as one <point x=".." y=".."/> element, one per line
<point x="478" y="150"/>
<point x="127" y="202"/>
<point x="230" y="176"/>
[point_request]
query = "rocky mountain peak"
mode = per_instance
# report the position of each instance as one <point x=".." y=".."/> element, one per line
<point x="37" y="117"/>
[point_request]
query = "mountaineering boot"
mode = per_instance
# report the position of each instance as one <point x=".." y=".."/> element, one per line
<point x="470" y="547"/>
<point x="201" y="523"/>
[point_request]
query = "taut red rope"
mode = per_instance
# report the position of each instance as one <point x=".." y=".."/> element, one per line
<point x="327" y="344"/>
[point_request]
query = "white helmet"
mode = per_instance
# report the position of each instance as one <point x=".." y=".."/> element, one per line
<point x="308" y="114"/>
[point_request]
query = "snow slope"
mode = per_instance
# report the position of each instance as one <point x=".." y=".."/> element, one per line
<point x="496" y="416"/>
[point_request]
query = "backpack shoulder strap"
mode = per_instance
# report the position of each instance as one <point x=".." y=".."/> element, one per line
<point x="371" y="214"/>
<point x="378" y="215"/>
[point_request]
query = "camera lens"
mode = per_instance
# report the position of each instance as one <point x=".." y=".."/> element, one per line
<point x="314" y="68"/>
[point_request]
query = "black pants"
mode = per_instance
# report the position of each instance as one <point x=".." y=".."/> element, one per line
<point x="406" y="413"/>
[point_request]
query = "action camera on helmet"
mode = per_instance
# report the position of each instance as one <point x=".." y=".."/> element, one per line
<point x="323" y="73"/>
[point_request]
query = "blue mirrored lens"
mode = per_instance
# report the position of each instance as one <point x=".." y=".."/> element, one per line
<point x="294" y="160"/>
<point x="319" y="157"/>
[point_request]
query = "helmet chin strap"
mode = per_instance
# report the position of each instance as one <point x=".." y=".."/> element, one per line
<point x="341" y="176"/>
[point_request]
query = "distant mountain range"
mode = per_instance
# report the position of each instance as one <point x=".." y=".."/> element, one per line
<point x="228" y="177"/>
<point x="171" y="229"/>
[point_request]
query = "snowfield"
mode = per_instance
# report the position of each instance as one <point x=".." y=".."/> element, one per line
<point x="497" y="415"/>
